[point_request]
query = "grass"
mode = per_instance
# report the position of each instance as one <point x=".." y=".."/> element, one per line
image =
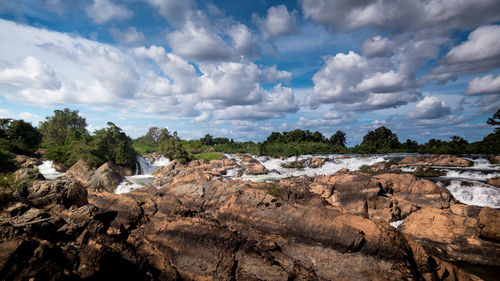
<point x="209" y="156"/>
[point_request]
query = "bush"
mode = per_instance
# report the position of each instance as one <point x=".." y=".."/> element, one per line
<point x="209" y="156"/>
<point x="7" y="162"/>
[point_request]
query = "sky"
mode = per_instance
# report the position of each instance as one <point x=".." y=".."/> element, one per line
<point x="243" y="69"/>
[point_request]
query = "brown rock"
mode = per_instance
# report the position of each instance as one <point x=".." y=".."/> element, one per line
<point x="494" y="159"/>
<point x="316" y="162"/>
<point x="65" y="192"/>
<point x="106" y="177"/>
<point x="27" y="162"/>
<point x="59" y="167"/>
<point x="80" y="171"/>
<point x="28" y="174"/>
<point x="455" y="237"/>
<point x="494" y="182"/>
<point x="435" y="160"/>
<point x="489" y="222"/>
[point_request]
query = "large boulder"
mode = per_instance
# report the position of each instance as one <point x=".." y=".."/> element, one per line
<point x="435" y="160"/>
<point x="28" y="174"/>
<point x="65" y="192"/>
<point x="494" y="182"/>
<point x="80" y="171"/>
<point x="252" y="166"/>
<point x="106" y="177"/>
<point x="27" y="162"/>
<point x="460" y="233"/>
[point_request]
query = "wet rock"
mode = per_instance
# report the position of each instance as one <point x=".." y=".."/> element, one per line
<point x="28" y="174"/>
<point x="80" y="171"/>
<point x="106" y="177"/>
<point x="494" y="159"/>
<point x="60" y="167"/>
<point x="27" y="162"/>
<point x="435" y="160"/>
<point x="65" y="192"/>
<point x="489" y="222"/>
<point x="494" y="182"/>
<point x="316" y="162"/>
<point x="177" y="173"/>
<point x="252" y="166"/>
<point x="455" y="237"/>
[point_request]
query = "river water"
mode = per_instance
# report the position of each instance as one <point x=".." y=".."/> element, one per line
<point x="467" y="184"/>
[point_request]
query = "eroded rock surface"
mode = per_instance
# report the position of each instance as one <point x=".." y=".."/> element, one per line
<point x="104" y="178"/>
<point x="435" y="160"/>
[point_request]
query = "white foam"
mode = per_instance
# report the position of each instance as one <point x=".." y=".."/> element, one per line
<point x="477" y="193"/>
<point x="396" y="224"/>
<point x="470" y="174"/>
<point x="409" y="169"/>
<point x="334" y="164"/>
<point x="48" y="172"/>
<point x="133" y="182"/>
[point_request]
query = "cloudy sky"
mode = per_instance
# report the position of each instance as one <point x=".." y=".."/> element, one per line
<point x="242" y="69"/>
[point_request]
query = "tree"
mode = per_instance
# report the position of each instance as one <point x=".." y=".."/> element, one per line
<point x="339" y="138"/>
<point x="65" y="123"/>
<point x="172" y="148"/>
<point x="381" y="139"/>
<point x="23" y="137"/>
<point x="495" y="120"/>
<point x="207" y="140"/>
<point x="111" y="144"/>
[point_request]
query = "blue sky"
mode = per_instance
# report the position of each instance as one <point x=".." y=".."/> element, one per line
<point x="243" y="69"/>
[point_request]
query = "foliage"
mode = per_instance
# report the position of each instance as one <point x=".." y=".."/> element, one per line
<point x="171" y="147"/>
<point x="7" y="162"/>
<point x="18" y="136"/>
<point x="209" y="156"/>
<point x="111" y="144"/>
<point x="381" y="140"/>
<point x="9" y="184"/>
<point x="338" y="139"/>
<point x="495" y="120"/>
<point x="65" y="125"/>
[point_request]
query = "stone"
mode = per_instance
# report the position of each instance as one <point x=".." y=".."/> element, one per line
<point x="435" y="160"/>
<point x="66" y="192"/>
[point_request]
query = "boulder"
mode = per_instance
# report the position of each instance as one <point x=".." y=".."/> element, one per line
<point x="27" y="162"/>
<point x="435" y="160"/>
<point x="106" y="177"/>
<point x="494" y="182"/>
<point x="316" y="162"/>
<point x="456" y="234"/>
<point x="80" y="171"/>
<point x="65" y="192"/>
<point x="28" y="174"/>
<point x="494" y="159"/>
<point x="60" y="167"/>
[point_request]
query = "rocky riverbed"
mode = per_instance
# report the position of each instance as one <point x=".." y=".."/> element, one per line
<point x="209" y="221"/>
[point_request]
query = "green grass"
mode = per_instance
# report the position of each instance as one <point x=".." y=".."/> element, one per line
<point x="209" y="156"/>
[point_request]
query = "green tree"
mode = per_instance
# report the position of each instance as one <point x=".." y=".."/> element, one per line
<point x="18" y="136"/>
<point x="111" y="144"/>
<point x="207" y="140"/>
<point x="381" y="139"/>
<point x="339" y="138"/>
<point x="65" y="123"/>
<point x="172" y="148"/>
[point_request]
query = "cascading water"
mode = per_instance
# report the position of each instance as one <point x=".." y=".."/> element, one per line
<point x="47" y="171"/>
<point x="143" y="175"/>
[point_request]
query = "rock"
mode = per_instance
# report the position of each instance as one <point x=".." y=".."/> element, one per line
<point x="489" y="222"/>
<point x="494" y="182"/>
<point x="28" y="174"/>
<point x="27" y="162"/>
<point x="80" y="171"/>
<point x="177" y="173"/>
<point x="59" y="167"/>
<point x="454" y="237"/>
<point x="252" y="166"/>
<point x="65" y="192"/>
<point x="435" y="160"/>
<point x="494" y="159"/>
<point x="316" y="162"/>
<point x="106" y="177"/>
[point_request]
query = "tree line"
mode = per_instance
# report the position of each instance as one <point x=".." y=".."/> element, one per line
<point x="65" y="139"/>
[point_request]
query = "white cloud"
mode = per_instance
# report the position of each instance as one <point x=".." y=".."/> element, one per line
<point x="174" y="11"/>
<point x="130" y="36"/>
<point x="377" y="46"/>
<point x="429" y="108"/>
<point x="401" y="15"/>
<point x="244" y="40"/>
<point x="102" y="11"/>
<point x="481" y="52"/>
<point x="31" y="73"/>
<point x="277" y="22"/>
<point x="488" y="84"/>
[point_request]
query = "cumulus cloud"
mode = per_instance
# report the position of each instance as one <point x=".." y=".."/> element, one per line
<point x="360" y="83"/>
<point x="377" y="46"/>
<point x="429" y="108"/>
<point x="401" y="15"/>
<point x="481" y="52"/>
<point x="175" y="11"/>
<point x="244" y="40"/>
<point x="31" y="73"/>
<point x="278" y="21"/>
<point x="102" y="11"/>
<point x="485" y="85"/>
<point x="130" y="36"/>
